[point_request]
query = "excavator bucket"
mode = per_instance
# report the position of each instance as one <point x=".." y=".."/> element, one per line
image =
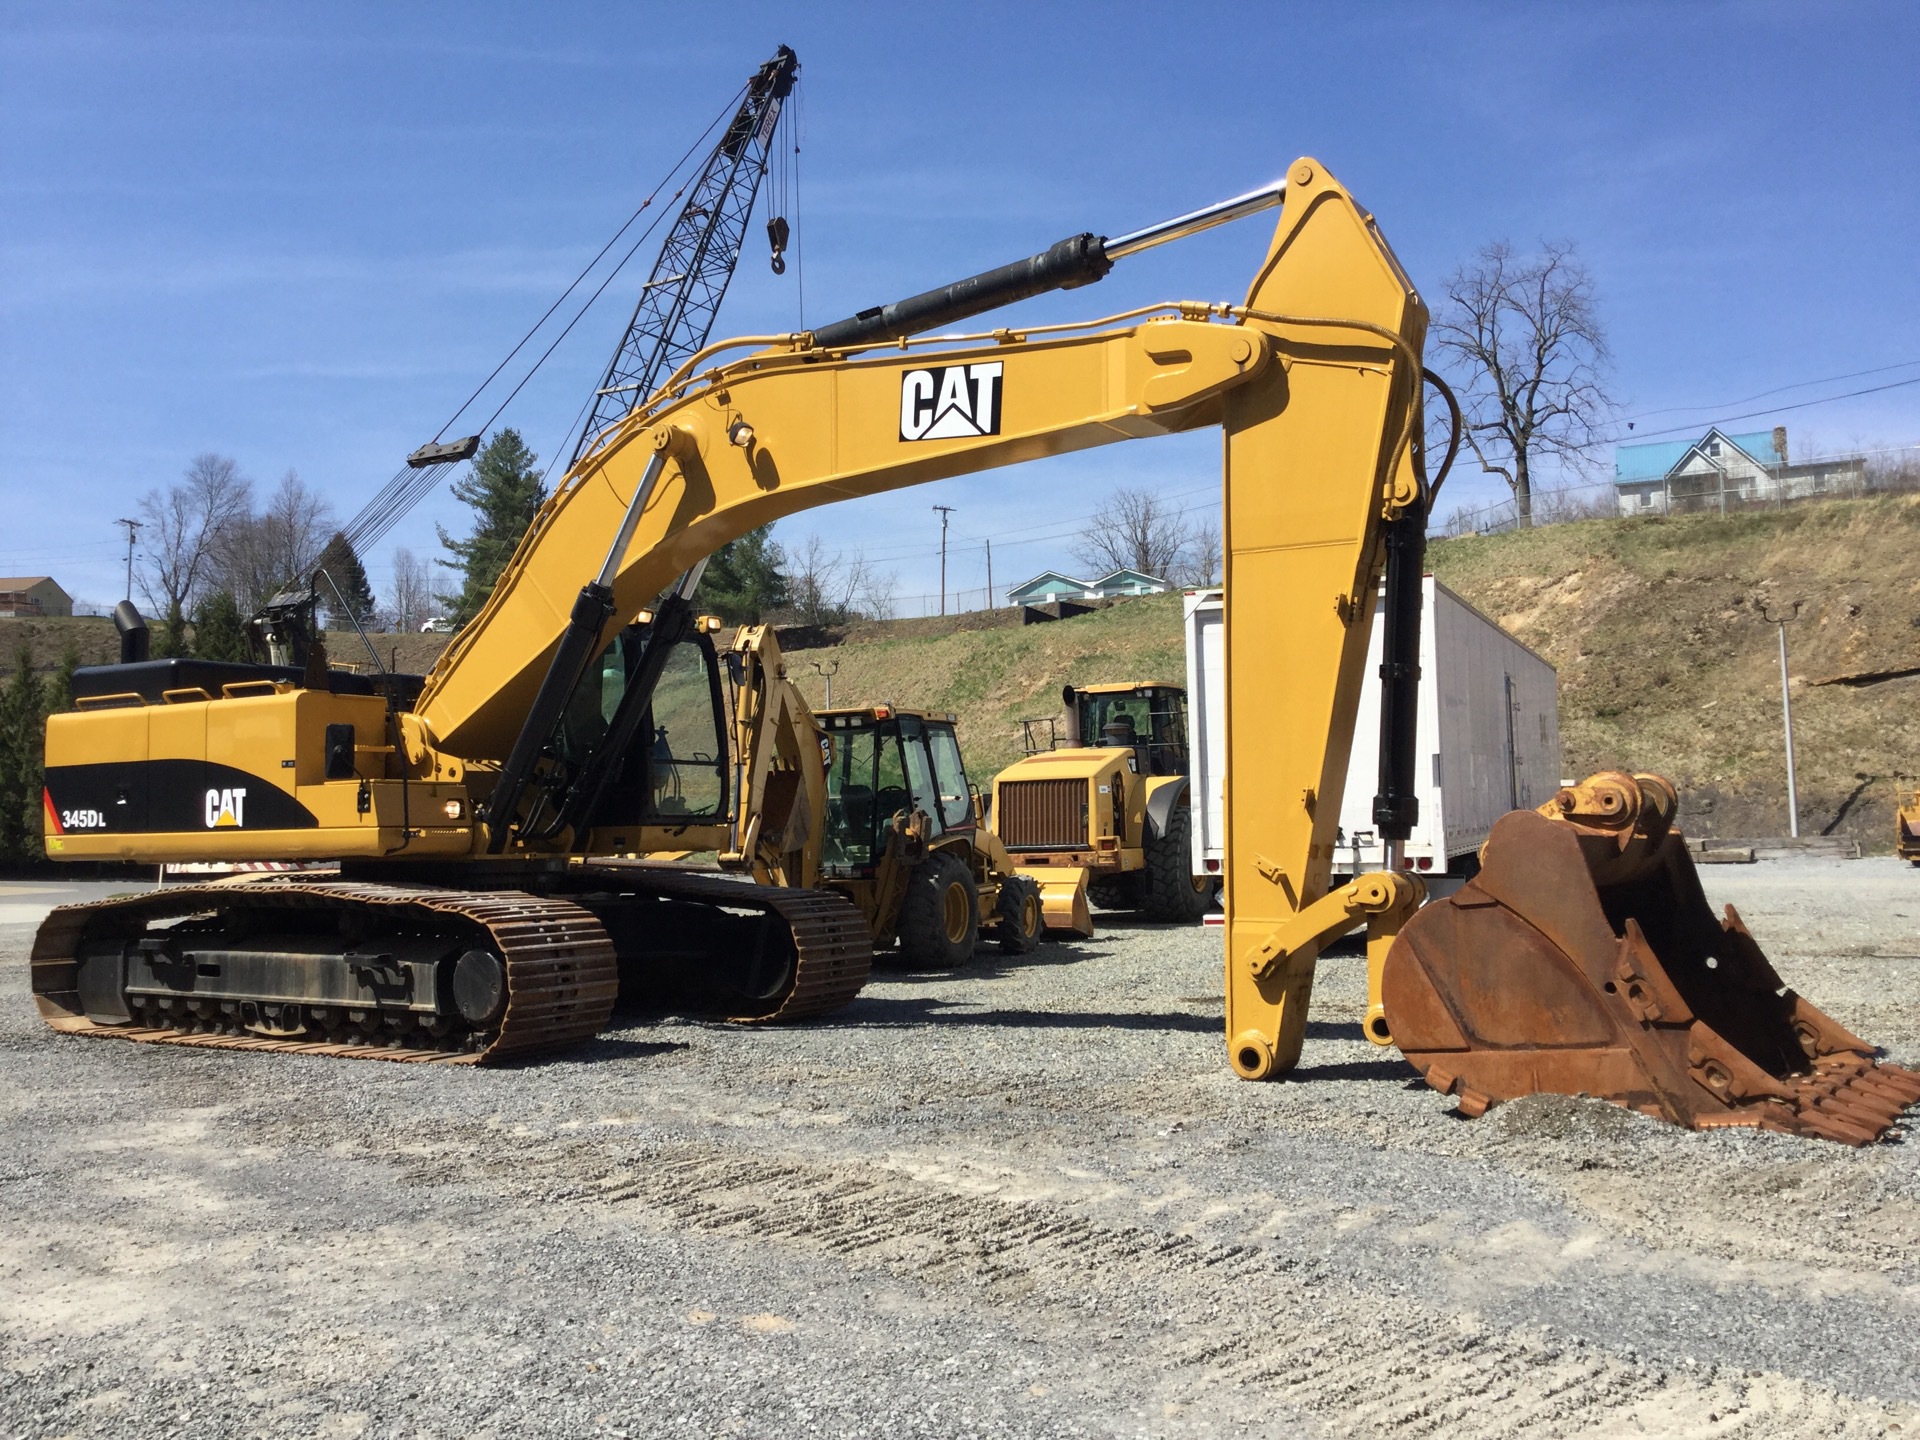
<point x="1584" y="959"/>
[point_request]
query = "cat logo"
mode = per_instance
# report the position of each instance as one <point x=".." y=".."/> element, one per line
<point x="950" y="402"/>
<point x="225" y="809"/>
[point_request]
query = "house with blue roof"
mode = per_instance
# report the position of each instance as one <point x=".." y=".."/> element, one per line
<point x="1050" y="587"/>
<point x="1721" y="471"/>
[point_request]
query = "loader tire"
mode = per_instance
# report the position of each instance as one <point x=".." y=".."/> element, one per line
<point x="940" y="917"/>
<point x="1021" y="923"/>
<point x="1117" y="892"/>
<point x="1174" y="892"/>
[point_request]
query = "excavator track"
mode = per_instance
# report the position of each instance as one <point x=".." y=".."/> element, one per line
<point x="562" y="972"/>
<point x="561" y="980"/>
<point x="833" y="951"/>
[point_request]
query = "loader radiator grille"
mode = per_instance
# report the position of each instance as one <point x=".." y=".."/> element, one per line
<point x="1042" y="814"/>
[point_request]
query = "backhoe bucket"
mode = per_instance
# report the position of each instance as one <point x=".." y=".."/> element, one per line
<point x="1585" y="960"/>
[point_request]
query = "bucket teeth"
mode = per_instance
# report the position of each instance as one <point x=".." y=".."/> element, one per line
<point x="1585" y="960"/>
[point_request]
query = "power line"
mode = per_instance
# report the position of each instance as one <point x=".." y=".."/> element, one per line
<point x="1777" y="390"/>
<point x="1695" y="429"/>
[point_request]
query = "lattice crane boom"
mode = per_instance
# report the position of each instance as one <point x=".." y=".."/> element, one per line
<point x="682" y="295"/>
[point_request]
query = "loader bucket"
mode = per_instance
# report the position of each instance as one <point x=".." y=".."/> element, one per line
<point x="1063" y="896"/>
<point x="1585" y="960"/>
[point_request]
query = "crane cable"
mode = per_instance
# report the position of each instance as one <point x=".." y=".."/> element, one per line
<point x="411" y="485"/>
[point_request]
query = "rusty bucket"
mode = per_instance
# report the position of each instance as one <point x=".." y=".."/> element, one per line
<point x="1585" y="960"/>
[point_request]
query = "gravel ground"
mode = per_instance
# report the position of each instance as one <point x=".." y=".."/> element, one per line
<point x="1027" y="1200"/>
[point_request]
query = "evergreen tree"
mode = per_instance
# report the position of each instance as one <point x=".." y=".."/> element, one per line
<point x="22" y="742"/>
<point x="343" y="565"/>
<point x="219" y="630"/>
<point x="170" y="635"/>
<point x="504" y="488"/>
<point x="59" y="694"/>
<point x="744" y="582"/>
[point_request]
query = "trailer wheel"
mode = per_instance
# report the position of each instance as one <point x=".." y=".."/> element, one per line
<point x="1021" y="922"/>
<point x="940" y="918"/>
<point x="1174" y="892"/>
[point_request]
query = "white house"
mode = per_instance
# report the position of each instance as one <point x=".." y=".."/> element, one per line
<point x="1719" y="470"/>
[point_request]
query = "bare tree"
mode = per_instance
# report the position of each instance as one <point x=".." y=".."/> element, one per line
<point x="879" y="597"/>
<point x="823" y="585"/>
<point x="1527" y="332"/>
<point x="185" y="525"/>
<point x="277" y="548"/>
<point x="1134" y="530"/>
<point x="412" y="594"/>
<point x="1201" y="563"/>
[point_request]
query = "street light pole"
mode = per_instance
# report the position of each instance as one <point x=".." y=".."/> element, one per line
<point x="945" y="511"/>
<point x="1786" y="713"/>
<point x="132" y="527"/>
<point x="828" y="675"/>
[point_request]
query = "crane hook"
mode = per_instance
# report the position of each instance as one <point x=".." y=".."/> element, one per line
<point x="777" y="237"/>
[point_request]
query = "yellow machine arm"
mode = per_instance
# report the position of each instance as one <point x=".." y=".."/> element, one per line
<point x="1315" y="382"/>
<point x="779" y="792"/>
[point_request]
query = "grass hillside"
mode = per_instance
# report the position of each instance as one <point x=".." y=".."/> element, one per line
<point x="1654" y="625"/>
<point x="994" y="672"/>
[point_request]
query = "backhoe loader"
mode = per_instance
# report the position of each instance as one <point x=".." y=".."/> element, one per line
<point x="1104" y="809"/>
<point x="871" y="803"/>
<point x="565" y="722"/>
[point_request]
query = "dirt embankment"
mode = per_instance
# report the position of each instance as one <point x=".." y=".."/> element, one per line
<point x="1668" y="662"/>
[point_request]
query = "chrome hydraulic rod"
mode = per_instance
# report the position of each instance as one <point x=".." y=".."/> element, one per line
<point x="1073" y="262"/>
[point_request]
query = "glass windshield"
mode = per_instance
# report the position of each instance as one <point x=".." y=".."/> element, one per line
<point x="687" y="758"/>
<point x="950" y="775"/>
<point x="1156" y="719"/>
<point x="852" y="818"/>
<point x="920" y="787"/>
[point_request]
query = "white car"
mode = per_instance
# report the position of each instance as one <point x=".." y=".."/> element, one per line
<point x="438" y="625"/>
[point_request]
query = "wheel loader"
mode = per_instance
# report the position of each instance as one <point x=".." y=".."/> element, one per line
<point x="1104" y="811"/>
<point x="871" y="803"/>
<point x="579" y="716"/>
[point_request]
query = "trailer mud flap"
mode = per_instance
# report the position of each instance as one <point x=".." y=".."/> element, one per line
<point x="1585" y="960"/>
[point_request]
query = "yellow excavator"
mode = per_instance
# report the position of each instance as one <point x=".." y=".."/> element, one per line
<point x="472" y="919"/>
<point x="1104" y="812"/>
<point x="873" y="803"/>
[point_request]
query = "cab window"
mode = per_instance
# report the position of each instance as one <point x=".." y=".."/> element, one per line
<point x="950" y="776"/>
<point x="853" y="820"/>
<point x="925" y="794"/>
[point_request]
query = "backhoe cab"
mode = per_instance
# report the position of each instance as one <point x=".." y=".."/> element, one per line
<point x="1104" y="805"/>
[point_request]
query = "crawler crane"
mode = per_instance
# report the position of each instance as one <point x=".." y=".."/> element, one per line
<point x="469" y="919"/>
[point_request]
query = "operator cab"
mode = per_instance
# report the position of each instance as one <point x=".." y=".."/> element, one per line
<point x="882" y="762"/>
<point x="1150" y="720"/>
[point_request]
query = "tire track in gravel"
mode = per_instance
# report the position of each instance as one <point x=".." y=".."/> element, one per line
<point x="1361" y="1364"/>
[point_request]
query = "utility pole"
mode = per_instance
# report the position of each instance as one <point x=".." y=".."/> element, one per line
<point x="945" y="511"/>
<point x="991" y="601"/>
<point x="1786" y="712"/>
<point x="828" y="675"/>
<point x="133" y="527"/>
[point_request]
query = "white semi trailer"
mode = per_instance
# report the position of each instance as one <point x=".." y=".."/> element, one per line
<point x="1488" y="738"/>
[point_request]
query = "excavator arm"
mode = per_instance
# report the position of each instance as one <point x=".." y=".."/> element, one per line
<point x="780" y="785"/>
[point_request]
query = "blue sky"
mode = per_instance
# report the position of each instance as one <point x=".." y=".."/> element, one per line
<point x="299" y="235"/>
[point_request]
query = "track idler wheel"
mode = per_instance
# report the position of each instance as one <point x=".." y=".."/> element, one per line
<point x="1584" y="959"/>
